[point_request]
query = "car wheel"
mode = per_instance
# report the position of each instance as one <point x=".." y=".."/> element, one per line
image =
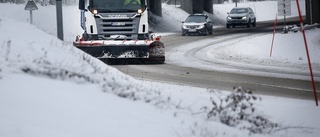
<point x="254" y="23"/>
<point x="228" y="26"/>
<point x="249" y="22"/>
<point x="206" y="32"/>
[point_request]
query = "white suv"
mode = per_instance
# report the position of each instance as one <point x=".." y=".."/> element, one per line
<point x="241" y="16"/>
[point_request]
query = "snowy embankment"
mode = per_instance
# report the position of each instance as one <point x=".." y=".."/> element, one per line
<point x="172" y="15"/>
<point x="264" y="10"/>
<point x="45" y="18"/>
<point x="171" y="20"/>
<point x="50" y="88"/>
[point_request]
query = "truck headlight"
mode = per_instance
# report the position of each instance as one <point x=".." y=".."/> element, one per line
<point x="245" y="17"/>
<point x="140" y="11"/>
<point x="94" y="11"/>
<point x="229" y="18"/>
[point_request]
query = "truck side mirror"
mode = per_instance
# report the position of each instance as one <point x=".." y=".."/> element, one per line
<point x="81" y="5"/>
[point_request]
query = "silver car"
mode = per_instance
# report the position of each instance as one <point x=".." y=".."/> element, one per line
<point x="241" y="16"/>
<point x="197" y="24"/>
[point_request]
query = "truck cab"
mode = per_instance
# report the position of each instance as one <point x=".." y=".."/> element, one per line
<point x="114" y="19"/>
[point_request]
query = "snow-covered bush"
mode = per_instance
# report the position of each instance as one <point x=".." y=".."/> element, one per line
<point x="237" y="110"/>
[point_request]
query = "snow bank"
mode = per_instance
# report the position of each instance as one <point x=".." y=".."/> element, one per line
<point x="50" y="88"/>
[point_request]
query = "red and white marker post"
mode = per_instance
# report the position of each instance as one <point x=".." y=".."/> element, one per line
<point x="274" y="31"/>
<point x="307" y="50"/>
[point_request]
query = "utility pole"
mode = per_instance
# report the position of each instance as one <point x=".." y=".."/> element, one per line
<point x="284" y="9"/>
<point x="59" y="19"/>
<point x="310" y="11"/>
<point x="284" y="16"/>
<point x="236" y="3"/>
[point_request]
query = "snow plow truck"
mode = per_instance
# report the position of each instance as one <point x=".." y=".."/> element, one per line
<point x="118" y="29"/>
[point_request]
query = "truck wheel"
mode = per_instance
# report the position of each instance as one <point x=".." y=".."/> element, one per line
<point x="85" y="36"/>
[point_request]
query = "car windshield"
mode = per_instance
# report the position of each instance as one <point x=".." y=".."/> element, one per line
<point x="116" y="5"/>
<point x="239" y="11"/>
<point x="196" y="19"/>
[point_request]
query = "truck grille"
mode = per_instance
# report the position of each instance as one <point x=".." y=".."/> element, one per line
<point x="127" y="27"/>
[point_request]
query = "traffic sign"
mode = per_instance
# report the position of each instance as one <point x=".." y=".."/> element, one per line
<point x="282" y="12"/>
<point x="31" y="6"/>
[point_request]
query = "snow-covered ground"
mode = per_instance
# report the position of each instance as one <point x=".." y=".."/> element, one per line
<point x="50" y="88"/>
<point x="264" y="10"/>
<point x="250" y="54"/>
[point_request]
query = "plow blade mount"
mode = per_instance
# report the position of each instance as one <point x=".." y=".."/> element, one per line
<point x="146" y="50"/>
<point x="117" y="51"/>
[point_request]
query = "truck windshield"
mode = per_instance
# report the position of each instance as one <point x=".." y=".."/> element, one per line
<point x="117" y="5"/>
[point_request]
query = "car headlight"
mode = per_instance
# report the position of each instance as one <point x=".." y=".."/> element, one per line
<point x="200" y="26"/>
<point x="245" y="17"/>
<point x="229" y="18"/>
<point x="184" y="27"/>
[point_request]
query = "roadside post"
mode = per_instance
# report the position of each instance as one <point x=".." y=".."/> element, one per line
<point x="274" y="31"/>
<point x="59" y="19"/>
<point x="31" y="6"/>
<point x="284" y="9"/>
<point x="307" y="52"/>
<point x="236" y="3"/>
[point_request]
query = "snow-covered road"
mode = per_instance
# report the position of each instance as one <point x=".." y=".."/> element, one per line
<point x="202" y="61"/>
<point x="233" y="53"/>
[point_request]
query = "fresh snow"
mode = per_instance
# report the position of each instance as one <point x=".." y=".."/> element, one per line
<point x="50" y="88"/>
